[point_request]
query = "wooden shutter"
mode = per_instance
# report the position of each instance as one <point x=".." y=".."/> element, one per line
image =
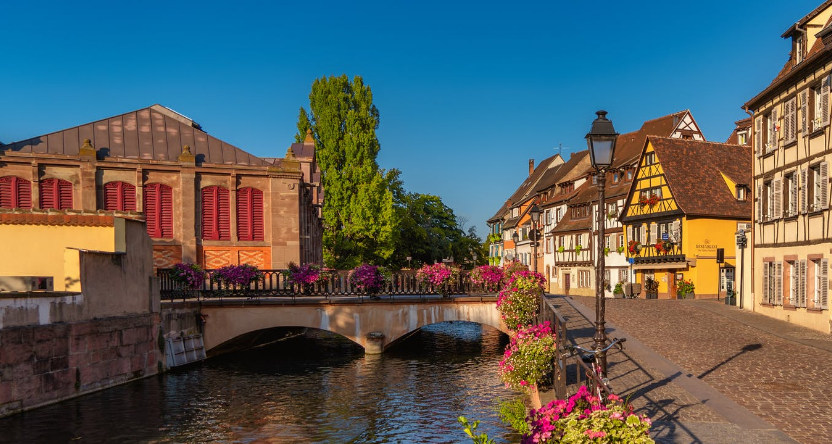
<point x="244" y="214"/>
<point x="804" y="111"/>
<point x="55" y="193"/>
<point x="790" y="120"/>
<point x="824" y="102"/>
<point x="119" y="196"/>
<point x="801" y="283"/>
<point x="675" y="234"/>
<point x="158" y="210"/>
<point x="760" y="202"/>
<point x="777" y="188"/>
<point x="653" y="233"/>
<point x="824" y="186"/>
<point x="629" y="233"/>
<point x="209" y="213"/>
<point x="257" y="222"/>
<point x="774" y="122"/>
<point x="804" y="190"/>
<point x="793" y="195"/>
<point x="15" y="192"/>
<point x="223" y="214"/>
<point x="824" y="283"/>
<point x="778" y="282"/>
<point x="758" y="135"/>
<point x="766" y="292"/>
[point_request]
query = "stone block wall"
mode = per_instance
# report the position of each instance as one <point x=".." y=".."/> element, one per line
<point x="42" y="364"/>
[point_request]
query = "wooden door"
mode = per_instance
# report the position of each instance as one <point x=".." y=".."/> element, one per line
<point x="671" y="285"/>
<point x="566" y="283"/>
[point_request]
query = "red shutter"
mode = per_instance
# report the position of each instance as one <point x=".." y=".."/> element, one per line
<point x="223" y="214"/>
<point x="55" y="193"/>
<point x="244" y="214"/>
<point x="257" y="215"/>
<point x="166" y="205"/>
<point x="64" y="195"/>
<point x="209" y="220"/>
<point x="119" y="196"/>
<point x="15" y="192"/>
<point x="47" y="194"/>
<point x="158" y="210"/>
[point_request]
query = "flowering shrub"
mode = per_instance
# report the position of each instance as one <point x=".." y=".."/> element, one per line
<point x="488" y="276"/>
<point x="369" y="278"/>
<point x="440" y="276"/>
<point x="510" y="268"/>
<point x="684" y="286"/>
<point x="528" y="357"/>
<point x="305" y="274"/>
<point x="583" y="418"/>
<point x="519" y="301"/>
<point x="236" y="275"/>
<point x="190" y="276"/>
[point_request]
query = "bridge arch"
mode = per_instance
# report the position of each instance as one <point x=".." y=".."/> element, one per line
<point x="373" y="326"/>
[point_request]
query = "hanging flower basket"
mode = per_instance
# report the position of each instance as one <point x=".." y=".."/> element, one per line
<point x="634" y="248"/>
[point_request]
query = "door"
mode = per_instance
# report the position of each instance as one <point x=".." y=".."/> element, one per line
<point x="671" y="285"/>
<point x="566" y="283"/>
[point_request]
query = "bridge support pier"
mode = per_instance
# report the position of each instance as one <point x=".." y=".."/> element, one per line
<point x="375" y="343"/>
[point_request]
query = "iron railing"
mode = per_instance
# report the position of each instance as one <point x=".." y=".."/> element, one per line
<point x="276" y="283"/>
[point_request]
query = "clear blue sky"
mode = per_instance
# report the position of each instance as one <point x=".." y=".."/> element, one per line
<point x="468" y="92"/>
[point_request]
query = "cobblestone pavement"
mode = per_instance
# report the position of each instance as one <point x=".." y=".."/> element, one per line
<point x="776" y="370"/>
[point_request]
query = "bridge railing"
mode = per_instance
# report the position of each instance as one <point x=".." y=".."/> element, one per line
<point x="336" y="283"/>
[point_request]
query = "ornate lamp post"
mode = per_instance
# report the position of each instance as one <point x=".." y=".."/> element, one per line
<point x="601" y="142"/>
<point x="534" y="211"/>
<point x="516" y="238"/>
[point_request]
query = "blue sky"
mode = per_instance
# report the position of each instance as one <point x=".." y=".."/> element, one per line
<point x="468" y="91"/>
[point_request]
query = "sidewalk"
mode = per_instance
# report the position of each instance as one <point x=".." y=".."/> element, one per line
<point x="683" y="407"/>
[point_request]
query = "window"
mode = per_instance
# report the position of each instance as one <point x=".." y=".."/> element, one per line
<point x="215" y="214"/>
<point x="741" y="192"/>
<point x="799" y="47"/>
<point x="820" y="293"/>
<point x="249" y="214"/>
<point x="623" y="276"/>
<point x="770" y="120"/>
<point x="773" y="283"/>
<point x="607" y="242"/>
<point x="630" y="174"/>
<point x="15" y="192"/>
<point x="742" y="138"/>
<point x="768" y="197"/>
<point x="583" y="278"/>
<point x="158" y="210"/>
<point x="620" y="240"/>
<point x="649" y="159"/>
<point x="815" y="187"/>
<point x="55" y="193"/>
<point x="790" y="120"/>
<point x="790" y="190"/>
<point x="819" y="105"/>
<point x="616" y="177"/>
<point x="119" y="196"/>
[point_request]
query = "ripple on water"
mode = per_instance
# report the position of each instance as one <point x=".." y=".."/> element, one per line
<point x="296" y="391"/>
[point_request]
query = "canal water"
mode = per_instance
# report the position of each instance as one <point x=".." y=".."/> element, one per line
<point x="306" y="389"/>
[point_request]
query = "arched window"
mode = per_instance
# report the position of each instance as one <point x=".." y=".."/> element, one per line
<point x="249" y="214"/>
<point x="216" y="217"/>
<point x="15" y="192"/>
<point x="55" y="193"/>
<point x="119" y="196"/>
<point x="158" y="210"/>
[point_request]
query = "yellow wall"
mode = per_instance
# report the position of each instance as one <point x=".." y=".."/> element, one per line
<point x="40" y="250"/>
<point x="700" y="239"/>
<point x="650" y="176"/>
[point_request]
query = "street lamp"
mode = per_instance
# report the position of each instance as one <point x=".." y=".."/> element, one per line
<point x="601" y="142"/>
<point x="534" y="211"/>
<point x="516" y="238"/>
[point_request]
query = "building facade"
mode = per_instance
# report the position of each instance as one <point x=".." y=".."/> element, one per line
<point x="203" y="199"/>
<point x="791" y="138"/>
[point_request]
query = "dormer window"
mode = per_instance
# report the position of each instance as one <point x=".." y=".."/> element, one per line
<point x="799" y="47"/>
<point x="742" y="138"/>
<point x="742" y="193"/>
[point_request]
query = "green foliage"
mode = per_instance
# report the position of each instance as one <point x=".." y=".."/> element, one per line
<point x="303" y="125"/>
<point x="358" y="213"/>
<point x="578" y="249"/>
<point x="619" y="288"/>
<point x="471" y="430"/>
<point x="513" y="413"/>
<point x="494" y="238"/>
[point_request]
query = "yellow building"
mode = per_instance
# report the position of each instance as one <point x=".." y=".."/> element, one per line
<point x="791" y="138"/>
<point x="687" y="201"/>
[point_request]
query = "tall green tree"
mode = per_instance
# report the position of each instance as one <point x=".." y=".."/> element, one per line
<point x="358" y="212"/>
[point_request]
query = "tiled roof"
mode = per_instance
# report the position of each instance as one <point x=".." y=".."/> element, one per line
<point x="582" y="195"/>
<point x="628" y="147"/>
<point x="153" y="133"/>
<point x="740" y="125"/>
<point x="567" y="171"/>
<point x="526" y="189"/>
<point x="75" y="218"/>
<point x="806" y="18"/>
<point x="693" y="170"/>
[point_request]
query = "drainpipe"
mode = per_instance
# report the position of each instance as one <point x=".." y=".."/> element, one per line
<point x="753" y="205"/>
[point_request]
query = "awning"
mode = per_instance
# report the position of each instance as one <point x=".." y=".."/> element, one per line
<point x="664" y="266"/>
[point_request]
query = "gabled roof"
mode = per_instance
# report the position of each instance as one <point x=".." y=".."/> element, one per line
<point x="693" y="171"/>
<point x="739" y="125"/>
<point x="567" y="223"/>
<point x="152" y="133"/>
<point x="526" y="189"/>
<point x="567" y="171"/>
<point x="629" y="146"/>
<point x="806" y="19"/>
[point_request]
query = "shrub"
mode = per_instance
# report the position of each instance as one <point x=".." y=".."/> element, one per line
<point x="488" y="276"/>
<point x="513" y="413"/>
<point x="585" y="419"/>
<point x="510" y="268"/>
<point x="528" y="357"/>
<point x="190" y="276"/>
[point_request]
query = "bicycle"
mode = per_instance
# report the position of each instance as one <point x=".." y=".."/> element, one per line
<point x="598" y="386"/>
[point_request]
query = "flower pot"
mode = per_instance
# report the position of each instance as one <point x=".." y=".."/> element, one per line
<point x="690" y="295"/>
<point x="651" y="295"/>
<point x="618" y="295"/>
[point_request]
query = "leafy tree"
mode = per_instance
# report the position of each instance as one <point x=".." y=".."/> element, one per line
<point x="359" y="222"/>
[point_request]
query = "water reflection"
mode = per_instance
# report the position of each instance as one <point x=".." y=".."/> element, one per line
<point x="303" y="390"/>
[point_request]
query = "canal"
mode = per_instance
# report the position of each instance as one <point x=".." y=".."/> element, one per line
<point x="307" y="389"/>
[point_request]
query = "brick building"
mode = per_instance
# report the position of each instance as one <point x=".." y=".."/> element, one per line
<point x="204" y="200"/>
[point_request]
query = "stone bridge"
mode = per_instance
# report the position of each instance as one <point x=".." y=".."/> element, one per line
<point x="374" y="325"/>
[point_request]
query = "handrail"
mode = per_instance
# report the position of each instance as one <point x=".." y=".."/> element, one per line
<point x="276" y="283"/>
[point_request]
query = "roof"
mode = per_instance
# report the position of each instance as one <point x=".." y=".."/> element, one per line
<point x="693" y="170"/>
<point x="152" y="133"/>
<point x="629" y="146"/>
<point x="817" y="55"/>
<point x="567" y="171"/>
<point x="808" y="17"/>
<point x="526" y="189"/>
<point x="740" y="125"/>
<point x="567" y="223"/>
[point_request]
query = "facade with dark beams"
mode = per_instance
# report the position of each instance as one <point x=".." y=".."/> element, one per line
<point x="203" y="199"/>
<point x="792" y="232"/>
<point x="687" y="200"/>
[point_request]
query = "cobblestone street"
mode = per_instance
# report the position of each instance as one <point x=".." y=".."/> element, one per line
<point x="777" y="371"/>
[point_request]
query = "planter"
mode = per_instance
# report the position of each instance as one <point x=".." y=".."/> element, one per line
<point x="730" y="300"/>
<point x="652" y="295"/>
<point x="690" y="295"/>
<point x="618" y="295"/>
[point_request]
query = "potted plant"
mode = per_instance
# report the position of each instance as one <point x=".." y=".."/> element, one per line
<point x="620" y="249"/>
<point x="305" y="276"/>
<point x="634" y="248"/>
<point x="190" y="277"/>
<point x="578" y="249"/>
<point x="651" y="288"/>
<point x="618" y="291"/>
<point x="370" y="279"/>
<point x="560" y="249"/>
<point x="606" y="251"/>
<point x="685" y="288"/>
<point x="231" y="278"/>
<point x="442" y="277"/>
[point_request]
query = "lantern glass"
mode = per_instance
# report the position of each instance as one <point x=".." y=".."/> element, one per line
<point x="601" y="141"/>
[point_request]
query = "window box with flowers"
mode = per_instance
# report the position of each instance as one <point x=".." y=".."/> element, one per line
<point x="634" y="248"/>
<point x="663" y="247"/>
<point x="651" y="200"/>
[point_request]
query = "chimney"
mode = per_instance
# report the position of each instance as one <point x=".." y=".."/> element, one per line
<point x="531" y="166"/>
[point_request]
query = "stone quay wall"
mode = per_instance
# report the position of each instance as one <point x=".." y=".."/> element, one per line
<point x="42" y="364"/>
